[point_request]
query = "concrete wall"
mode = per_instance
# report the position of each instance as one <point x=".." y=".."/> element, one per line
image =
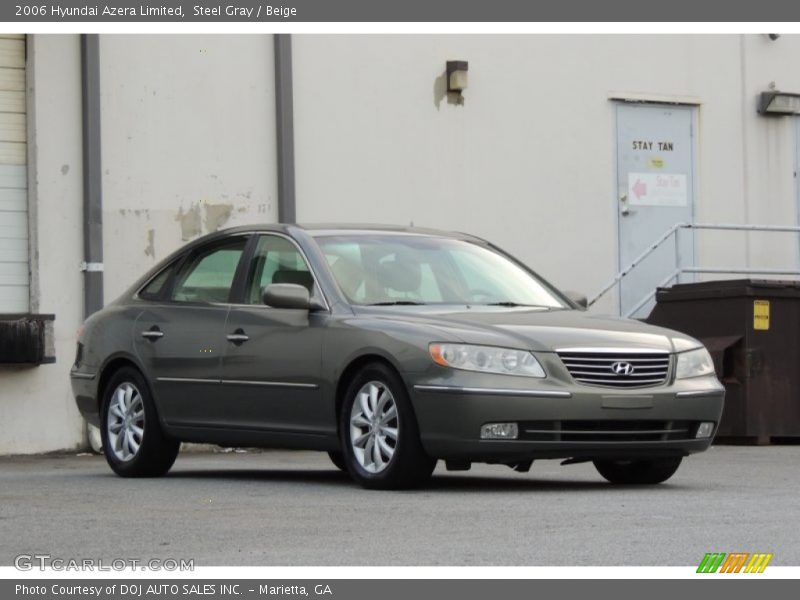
<point x="37" y="411"/>
<point x="188" y="143"/>
<point x="770" y="149"/>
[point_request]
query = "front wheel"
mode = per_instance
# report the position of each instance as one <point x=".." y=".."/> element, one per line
<point x="380" y="437"/>
<point x="638" y="472"/>
<point x="133" y="441"/>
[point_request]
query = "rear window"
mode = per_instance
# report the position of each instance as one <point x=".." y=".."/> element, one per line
<point x="208" y="275"/>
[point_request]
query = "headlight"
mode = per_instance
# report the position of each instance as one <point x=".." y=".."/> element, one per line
<point x="694" y="364"/>
<point x="486" y="359"/>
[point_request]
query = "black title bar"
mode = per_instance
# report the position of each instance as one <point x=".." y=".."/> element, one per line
<point x="460" y="11"/>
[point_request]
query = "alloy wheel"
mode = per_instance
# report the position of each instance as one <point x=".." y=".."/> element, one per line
<point x="374" y="427"/>
<point x="125" y="422"/>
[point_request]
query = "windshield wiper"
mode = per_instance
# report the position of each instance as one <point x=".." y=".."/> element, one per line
<point x="397" y="303"/>
<point x="512" y="304"/>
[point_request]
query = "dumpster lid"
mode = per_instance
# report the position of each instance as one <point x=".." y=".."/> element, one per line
<point x="730" y="288"/>
<point x="720" y="343"/>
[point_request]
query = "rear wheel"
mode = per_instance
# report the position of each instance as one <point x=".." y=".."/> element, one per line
<point x="133" y="442"/>
<point x="641" y="472"/>
<point x="380" y="437"/>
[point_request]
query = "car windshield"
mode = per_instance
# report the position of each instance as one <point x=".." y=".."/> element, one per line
<point x="409" y="269"/>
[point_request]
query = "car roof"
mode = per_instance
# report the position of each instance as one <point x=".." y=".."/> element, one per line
<point x="326" y="229"/>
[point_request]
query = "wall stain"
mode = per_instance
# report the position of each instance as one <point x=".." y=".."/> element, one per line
<point x="217" y="215"/>
<point x="150" y="249"/>
<point x="64" y="169"/>
<point x="190" y="221"/>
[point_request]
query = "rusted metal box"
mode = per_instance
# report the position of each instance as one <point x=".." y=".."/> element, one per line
<point x="752" y="329"/>
<point x="26" y="339"/>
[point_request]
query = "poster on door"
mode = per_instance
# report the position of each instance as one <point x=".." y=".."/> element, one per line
<point x="657" y="189"/>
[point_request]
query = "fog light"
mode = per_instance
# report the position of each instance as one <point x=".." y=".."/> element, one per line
<point x="499" y="431"/>
<point x="705" y="430"/>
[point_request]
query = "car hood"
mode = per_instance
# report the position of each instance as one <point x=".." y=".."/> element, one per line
<point x="541" y="330"/>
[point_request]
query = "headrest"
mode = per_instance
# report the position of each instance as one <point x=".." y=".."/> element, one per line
<point x="303" y="278"/>
<point x="400" y="275"/>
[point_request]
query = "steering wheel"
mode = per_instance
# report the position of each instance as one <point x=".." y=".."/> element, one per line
<point x="487" y="295"/>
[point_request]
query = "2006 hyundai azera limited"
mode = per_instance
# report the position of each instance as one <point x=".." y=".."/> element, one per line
<point x="389" y="348"/>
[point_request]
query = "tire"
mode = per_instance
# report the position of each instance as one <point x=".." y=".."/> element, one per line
<point x="128" y="407"/>
<point x="399" y="462"/>
<point x="337" y="458"/>
<point x="638" y="472"/>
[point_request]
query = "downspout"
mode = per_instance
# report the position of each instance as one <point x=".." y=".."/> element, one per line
<point x="284" y="125"/>
<point x="92" y="265"/>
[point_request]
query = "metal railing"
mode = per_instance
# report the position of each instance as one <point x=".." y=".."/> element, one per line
<point x="679" y="269"/>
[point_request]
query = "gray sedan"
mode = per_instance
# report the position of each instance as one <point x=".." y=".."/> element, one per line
<point x="389" y="348"/>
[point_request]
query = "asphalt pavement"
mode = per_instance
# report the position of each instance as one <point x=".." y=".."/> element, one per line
<point x="295" y="508"/>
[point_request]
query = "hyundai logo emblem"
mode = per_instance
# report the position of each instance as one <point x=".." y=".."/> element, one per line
<point x="622" y="368"/>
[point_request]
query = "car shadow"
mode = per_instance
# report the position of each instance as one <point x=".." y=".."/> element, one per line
<point x="439" y="483"/>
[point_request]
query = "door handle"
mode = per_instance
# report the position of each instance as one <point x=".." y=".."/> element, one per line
<point x="238" y="337"/>
<point x="153" y="334"/>
<point x="625" y="209"/>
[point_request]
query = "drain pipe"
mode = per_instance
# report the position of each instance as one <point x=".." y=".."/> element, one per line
<point x="92" y="265"/>
<point x="284" y="125"/>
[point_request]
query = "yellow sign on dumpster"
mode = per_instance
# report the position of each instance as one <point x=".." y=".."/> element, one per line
<point x="761" y="314"/>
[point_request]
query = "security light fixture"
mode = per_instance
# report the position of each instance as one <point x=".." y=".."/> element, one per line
<point x="457" y="76"/>
<point x="779" y="103"/>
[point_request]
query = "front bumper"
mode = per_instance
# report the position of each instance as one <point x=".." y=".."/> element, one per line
<point x="564" y="421"/>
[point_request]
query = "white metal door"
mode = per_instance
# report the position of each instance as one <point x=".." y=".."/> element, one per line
<point x="14" y="274"/>
<point x="655" y="182"/>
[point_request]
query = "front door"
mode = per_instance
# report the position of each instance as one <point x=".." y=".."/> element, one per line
<point x="272" y="363"/>
<point x="181" y="339"/>
<point x="655" y="182"/>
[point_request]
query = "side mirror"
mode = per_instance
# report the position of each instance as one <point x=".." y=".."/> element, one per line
<point x="578" y="298"/>
<point x="287" y="295"/>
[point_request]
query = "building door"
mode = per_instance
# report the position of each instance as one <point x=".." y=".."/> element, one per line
<point x="14" y="278"/>
<point x="655" y="182"/>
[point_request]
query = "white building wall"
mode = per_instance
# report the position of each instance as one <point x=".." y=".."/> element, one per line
<point x="188" y="143"/>
<point x="37" y="410"/>
<point x="770" y="150"/>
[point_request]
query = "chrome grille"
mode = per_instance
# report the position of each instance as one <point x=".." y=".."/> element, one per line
<point x="621" y="369"/>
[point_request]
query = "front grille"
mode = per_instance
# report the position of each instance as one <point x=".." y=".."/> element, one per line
<point x="617" y="369"/>
<point x="607" y="431"/>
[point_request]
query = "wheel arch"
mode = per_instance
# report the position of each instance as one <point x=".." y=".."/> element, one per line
<point x="113" y="364"/>
<point x="352" y="367"/>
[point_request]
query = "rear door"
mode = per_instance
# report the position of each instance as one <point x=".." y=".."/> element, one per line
<point x="181" y="338"/>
